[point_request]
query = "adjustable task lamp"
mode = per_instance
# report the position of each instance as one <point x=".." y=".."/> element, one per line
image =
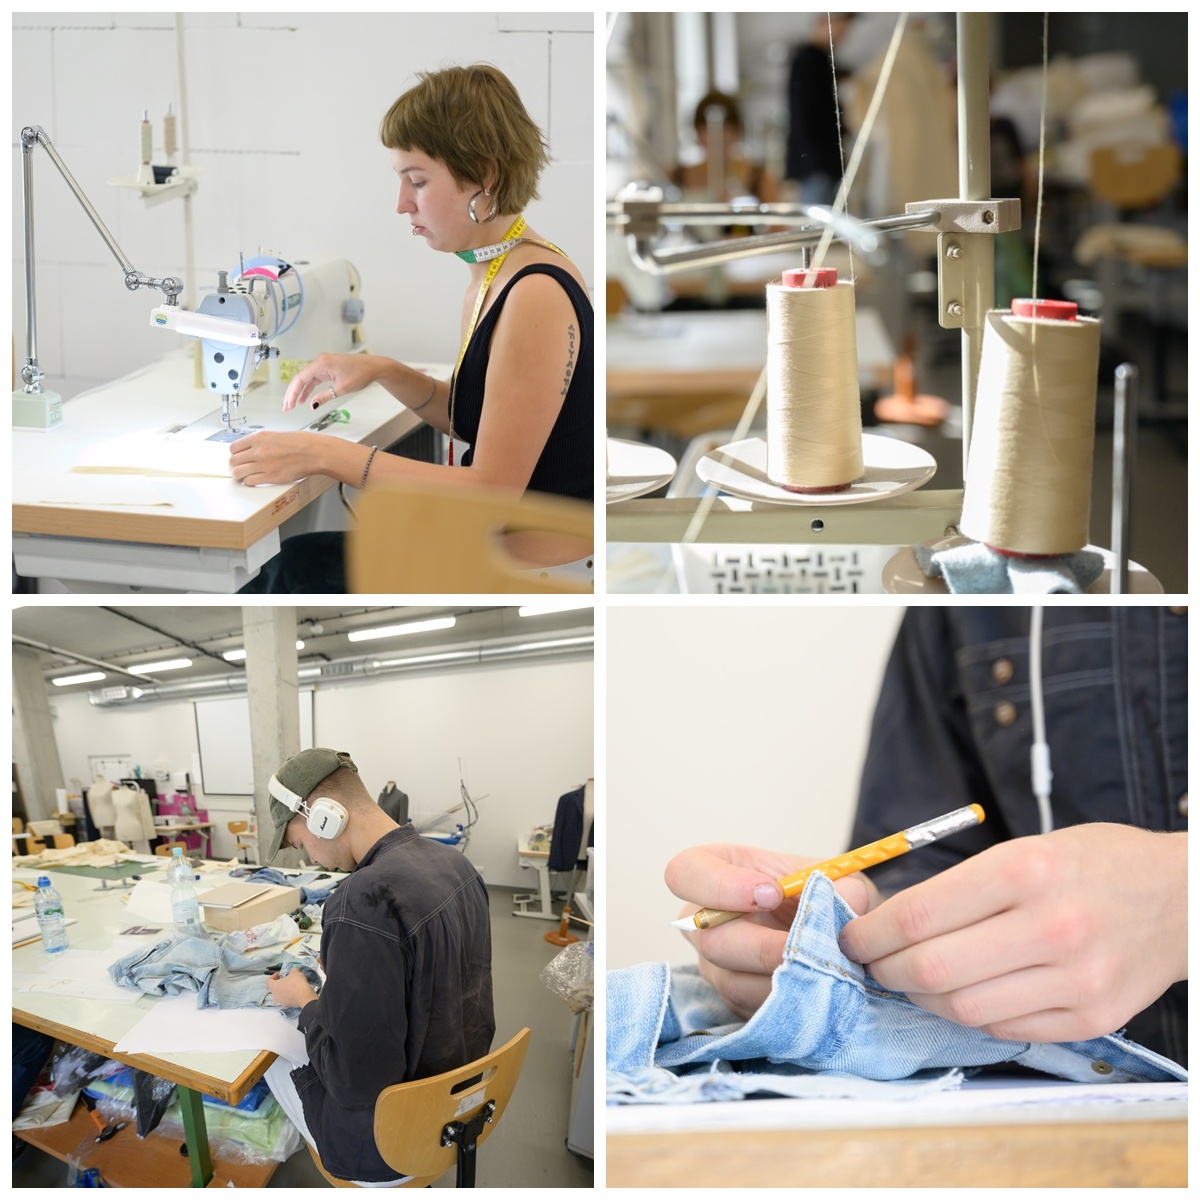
<point x="34" y="407"/>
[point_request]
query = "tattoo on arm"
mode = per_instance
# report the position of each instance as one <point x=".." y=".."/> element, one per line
<point x="570" y="360"/>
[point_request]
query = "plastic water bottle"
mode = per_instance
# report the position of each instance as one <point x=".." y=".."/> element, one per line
<point x="50" y="917"/>
<point x="185" y="907"/>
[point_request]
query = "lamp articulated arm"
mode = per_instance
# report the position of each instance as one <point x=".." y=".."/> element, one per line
<point x="35" y="135"/>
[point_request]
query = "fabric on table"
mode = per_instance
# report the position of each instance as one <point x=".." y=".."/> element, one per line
<point x="313" y="888"/>
<point x="221" y="974"/>
<point x="669" y="1030"/>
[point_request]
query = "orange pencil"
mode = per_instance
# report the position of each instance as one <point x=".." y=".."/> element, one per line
<point x="854" y="860"/>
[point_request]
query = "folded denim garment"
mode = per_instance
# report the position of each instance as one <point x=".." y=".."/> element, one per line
<point x="670" y="1036"/>
<point x="219" y="972"/>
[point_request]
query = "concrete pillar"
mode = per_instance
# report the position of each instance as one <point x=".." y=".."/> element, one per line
<point x="272" y="685"/>
<point x="35" y="749"/>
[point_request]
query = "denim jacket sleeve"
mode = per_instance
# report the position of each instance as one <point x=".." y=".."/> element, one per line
<point x="670" y="1033"/>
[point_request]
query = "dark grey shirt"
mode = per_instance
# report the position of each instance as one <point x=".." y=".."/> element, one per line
<point x="953" y="725"/>
<point x="406" y="947"/>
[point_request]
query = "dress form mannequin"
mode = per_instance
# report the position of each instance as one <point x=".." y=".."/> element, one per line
<point x="394" y="802"/>
<point x="100" y="805"/>
<point x="132" y="807"/>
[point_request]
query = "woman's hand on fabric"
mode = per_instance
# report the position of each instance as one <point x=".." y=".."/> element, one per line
<point x="344" y="373"/>
<point x="739" y="957"/>
<point x="1059" y="937"/>
<point x="265" y="457"/>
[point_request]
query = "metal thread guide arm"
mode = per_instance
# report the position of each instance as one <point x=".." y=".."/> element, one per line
<point x="32" y="405"/>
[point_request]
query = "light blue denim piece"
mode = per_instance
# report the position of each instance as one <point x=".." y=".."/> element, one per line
<point x="313" y="890"/>
<point x="671" y="1037"/>
<point x="222" y="976"/>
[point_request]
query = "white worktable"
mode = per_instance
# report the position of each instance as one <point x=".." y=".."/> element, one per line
<point x="169" y="532"/>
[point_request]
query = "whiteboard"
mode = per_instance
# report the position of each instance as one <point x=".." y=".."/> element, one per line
<point x="223" y="735"/>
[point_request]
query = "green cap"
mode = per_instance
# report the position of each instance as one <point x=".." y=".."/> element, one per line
<point x="294" y="782"/>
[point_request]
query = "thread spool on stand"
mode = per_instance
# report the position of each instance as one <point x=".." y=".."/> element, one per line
<point x="1027" y="491"/>
<point x="814" y="422"/>
<point x="906" y="406"/>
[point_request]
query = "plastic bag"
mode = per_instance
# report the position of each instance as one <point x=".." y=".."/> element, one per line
<point x="73" y="1067"/>
<point x="570" y="974"/>
<point x="151" y="1095"/>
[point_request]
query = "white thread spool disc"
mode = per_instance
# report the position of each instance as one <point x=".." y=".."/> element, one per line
<point x="1029" y="473"/>
<point x="814" y="422"/>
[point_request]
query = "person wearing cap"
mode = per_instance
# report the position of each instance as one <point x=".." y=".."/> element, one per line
<point x="406" y="951"/>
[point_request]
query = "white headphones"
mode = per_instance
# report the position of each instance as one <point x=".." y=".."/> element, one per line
<point x="326" y="818"/>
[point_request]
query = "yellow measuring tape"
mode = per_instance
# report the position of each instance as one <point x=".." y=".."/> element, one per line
<point x="515" y="231"/>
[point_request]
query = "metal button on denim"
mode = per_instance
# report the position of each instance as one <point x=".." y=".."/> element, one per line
<point x="1182" y="805"/>
<point x="1005" y="713"/>
<point x="1002" y="670"/>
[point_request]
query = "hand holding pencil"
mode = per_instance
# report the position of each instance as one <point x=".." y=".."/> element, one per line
<point x="738" y="956"/>
<point x="852" y="861"/>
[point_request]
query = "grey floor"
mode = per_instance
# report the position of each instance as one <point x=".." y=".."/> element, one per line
<point x="529" y="1146"/>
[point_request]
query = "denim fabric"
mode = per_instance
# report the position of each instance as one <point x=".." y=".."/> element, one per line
<point x="220" y="973"/>
<point x="313" y="888"/>
<point x="824" y="1014"/>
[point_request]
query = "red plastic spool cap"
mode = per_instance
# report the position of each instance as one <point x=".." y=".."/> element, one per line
<point x="821" y="277"/>
<point x="1059" y="310"/>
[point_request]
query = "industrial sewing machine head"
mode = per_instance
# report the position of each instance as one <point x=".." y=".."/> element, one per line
<point x="268" y="309"/>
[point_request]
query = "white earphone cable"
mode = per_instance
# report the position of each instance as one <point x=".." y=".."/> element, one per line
<point x="1042" y="776"/>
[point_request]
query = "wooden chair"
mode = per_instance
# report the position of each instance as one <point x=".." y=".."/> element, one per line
<point x="440" y="538"/>
<point x="168" y="848"/>
<point x="425" y="1127"/>
<point x="244" y="839"/>
<point x="1130" y="180"/>
<point x="49" y="841"/>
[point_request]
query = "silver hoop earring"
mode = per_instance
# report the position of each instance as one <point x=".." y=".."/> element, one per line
<point x="471" y="207"/>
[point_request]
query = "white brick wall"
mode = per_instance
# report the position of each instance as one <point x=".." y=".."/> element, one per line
<point x="283" y="113"/>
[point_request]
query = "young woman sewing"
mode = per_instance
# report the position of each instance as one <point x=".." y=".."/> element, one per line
<point x="468" y="157"/>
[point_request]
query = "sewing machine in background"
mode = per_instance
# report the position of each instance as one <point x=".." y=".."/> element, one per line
<point x="269" y="313"/>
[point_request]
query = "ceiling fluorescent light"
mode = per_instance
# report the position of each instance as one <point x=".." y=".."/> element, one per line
<point x="365" y="635"/>
<point x="90" y="677"/>
<point x="239" y="655"/>
<point x="542" y="607"/>
<point x="169" y="664"/>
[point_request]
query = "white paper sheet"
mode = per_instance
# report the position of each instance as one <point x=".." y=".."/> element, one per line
<point x="177" y="1026"/>
<point x="980" y="1101"/>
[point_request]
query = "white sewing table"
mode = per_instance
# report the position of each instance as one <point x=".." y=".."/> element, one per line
<point x="539" y="861"/>
<point x="98" y="1025"/>
<point x="188" y="527"/>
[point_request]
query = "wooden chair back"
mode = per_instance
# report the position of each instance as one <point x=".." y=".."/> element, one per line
<point x="168" y="848"/>
<point x="1134" y="176"/>
<point x="410" y="1117"/>
<point x="48" y="841"/>
<point x="439" y="538"/>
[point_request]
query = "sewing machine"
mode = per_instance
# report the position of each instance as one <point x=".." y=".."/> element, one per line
<point x="271" y="312"/>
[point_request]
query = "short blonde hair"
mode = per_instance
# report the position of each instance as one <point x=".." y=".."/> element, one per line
<point x="471" y="119"/>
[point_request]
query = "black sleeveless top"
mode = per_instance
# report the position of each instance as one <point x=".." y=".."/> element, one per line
<point x="565" y="466"/>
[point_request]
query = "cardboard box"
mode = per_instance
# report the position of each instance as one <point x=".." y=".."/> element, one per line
<point x="266" y="906"/>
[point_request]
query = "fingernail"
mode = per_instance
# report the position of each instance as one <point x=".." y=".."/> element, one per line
<point x="847" y="951"/>
<point x="766" y="895"/>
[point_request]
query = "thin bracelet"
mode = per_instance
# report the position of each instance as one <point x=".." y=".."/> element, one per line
<point x="370" y="458"/>
<point x="427" y="398"/>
